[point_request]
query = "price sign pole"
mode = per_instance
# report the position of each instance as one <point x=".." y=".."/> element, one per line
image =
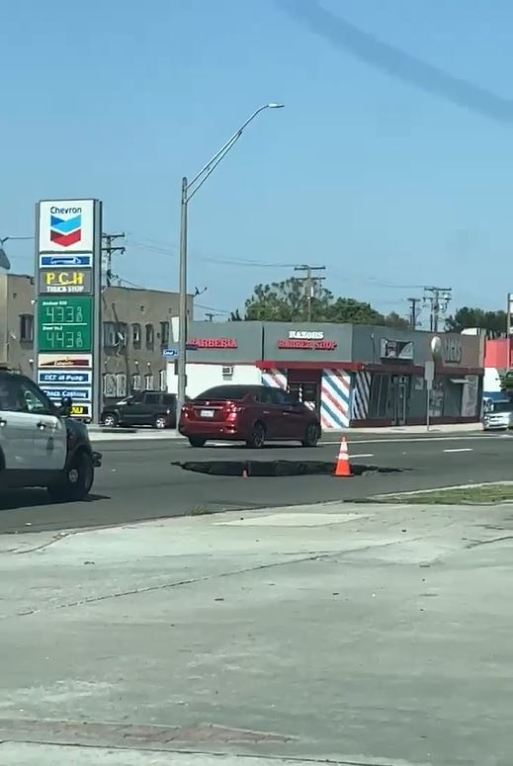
<point x="68" y="303"/>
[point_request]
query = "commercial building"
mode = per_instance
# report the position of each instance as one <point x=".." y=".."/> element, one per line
<point x="352" y="375"/>
<point x="136" y="329"/>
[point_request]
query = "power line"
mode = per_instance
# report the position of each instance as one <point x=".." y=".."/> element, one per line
<point x="311" y="284"/>
<point x="438" y="299"/>
<point x="108" y="248"/>
<point x="414" y="313"/>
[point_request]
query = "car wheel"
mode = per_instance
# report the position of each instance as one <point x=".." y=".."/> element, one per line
<point x="257" y="438"/>
<point x="312" y="435"/>
<point x="195" y="441"/>
<point x="110" y="420"/>
<point x="77" y="480"/>
<point x="160" y="422"/>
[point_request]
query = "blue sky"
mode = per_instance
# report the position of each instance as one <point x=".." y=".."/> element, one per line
<point x="386" y="184"/>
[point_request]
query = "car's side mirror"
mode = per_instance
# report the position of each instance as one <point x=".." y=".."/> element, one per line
<point x="66" y="405"/>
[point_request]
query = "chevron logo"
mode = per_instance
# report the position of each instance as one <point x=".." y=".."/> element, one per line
<point x="65" y="231"/>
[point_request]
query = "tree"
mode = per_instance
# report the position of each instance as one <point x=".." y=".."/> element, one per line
<point x="494" y="322"/>
<point x="287" y="302"/>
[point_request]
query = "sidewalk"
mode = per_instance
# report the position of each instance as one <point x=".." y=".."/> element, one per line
<point x="98" y="434"/>
<point x="356" y="633"/>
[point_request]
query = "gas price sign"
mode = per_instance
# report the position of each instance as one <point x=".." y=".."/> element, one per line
<point x="65" y="324"/>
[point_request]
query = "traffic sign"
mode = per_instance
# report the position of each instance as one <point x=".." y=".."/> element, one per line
<point x="170" y="353"/>
<point x="66" y="260"/>
<point x="429" y="373"/>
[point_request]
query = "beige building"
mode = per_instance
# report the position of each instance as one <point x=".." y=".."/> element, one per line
<point x="137" y="326"/>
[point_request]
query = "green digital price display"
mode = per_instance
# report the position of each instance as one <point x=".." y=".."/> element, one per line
<point x="64" y="324"/>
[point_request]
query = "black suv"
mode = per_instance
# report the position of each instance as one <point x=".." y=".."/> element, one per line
<point x="40" y="446"/>
<point x="145" y="408"/>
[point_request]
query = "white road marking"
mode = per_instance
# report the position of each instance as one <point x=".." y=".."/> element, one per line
<point x="462" y="449"/>
<point x="363" y="455"/>
<point x="426" y="439"/>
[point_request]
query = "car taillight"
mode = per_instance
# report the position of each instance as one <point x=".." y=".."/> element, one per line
<point x="232" y="410"/>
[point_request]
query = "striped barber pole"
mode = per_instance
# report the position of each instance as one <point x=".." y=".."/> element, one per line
<point x="274" y="379"/>
<point x="335" y="399"/>
<point x="361" y="395"/>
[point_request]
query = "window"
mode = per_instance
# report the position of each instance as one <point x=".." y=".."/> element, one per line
<point x="109" y="334"/>
<point x="26" y="328"/>
<point x="114" y="334"/>
<point x="152" y="399"/>
<point x="281" y="397"/>
<point x="150" y="336"/>
<point x="136" y="382"/>
<point x="148" y="381"/>
<point x="164" y="334"/>
<point x="136" y="335"/>
<point x="109" y="385"/>
<point x="169" y="400"/>
<point x="19" y="395"/>
<point x="163" y="380"/>
<point x="226" y="393"/>
<point x="121" y="384"/>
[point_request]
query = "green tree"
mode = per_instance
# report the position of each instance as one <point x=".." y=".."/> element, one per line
<point x="287" y="302"/>
<point x="494" y="322"/>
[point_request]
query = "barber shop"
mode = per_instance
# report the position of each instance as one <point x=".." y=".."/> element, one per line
<point x="351" y="375"/>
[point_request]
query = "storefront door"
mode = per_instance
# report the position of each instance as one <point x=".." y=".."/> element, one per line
<point x="401" y="384"/>
<point x="305" y="385"/>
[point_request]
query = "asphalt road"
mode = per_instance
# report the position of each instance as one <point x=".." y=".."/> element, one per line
<point x="138" y="481"/>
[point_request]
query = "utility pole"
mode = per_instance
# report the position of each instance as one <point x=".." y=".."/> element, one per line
<point x="108" y="248"/>
<point x="310" y="285"/>
<point x="413" y="312"/>
<point x="438" y="298"/>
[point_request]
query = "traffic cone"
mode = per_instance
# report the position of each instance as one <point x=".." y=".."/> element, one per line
<point x="343" y="467"/>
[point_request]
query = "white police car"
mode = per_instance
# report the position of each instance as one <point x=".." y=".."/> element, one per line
<point x="40" y="446"/>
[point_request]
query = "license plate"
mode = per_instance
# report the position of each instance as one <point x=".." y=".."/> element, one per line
<point x="207" y="413"/>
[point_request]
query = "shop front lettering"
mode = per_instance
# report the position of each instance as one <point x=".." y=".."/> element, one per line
<point x="305" y="335"/>
<point x="308" y="345"/>
<point x="213" y="343"/>
<point x="452" y="350"/>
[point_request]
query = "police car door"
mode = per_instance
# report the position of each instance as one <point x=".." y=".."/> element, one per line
<point x="16" y="442"/>
<point x="48" y="430"/>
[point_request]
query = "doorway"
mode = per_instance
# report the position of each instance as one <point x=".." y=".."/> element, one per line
<point x="306" y="386"/>
<point x="401" y="386"/>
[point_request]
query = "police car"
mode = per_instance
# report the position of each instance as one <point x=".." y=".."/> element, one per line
<point x="40" y="446"/>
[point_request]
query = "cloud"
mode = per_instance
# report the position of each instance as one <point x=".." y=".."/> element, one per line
<point x="397" y="63"/>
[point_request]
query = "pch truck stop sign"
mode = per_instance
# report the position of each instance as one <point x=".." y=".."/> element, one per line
<point x="76" y="281"/>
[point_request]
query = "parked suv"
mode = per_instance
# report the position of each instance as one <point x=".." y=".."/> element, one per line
<point x="499" y="415"/>
<point x="254" y="414"/>
<point x="145" y="408"/>
<point x="40" y="446"/>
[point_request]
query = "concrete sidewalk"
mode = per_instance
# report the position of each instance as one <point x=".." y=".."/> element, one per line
<point x="98" y="434"/>
<point x="360" y="633"/>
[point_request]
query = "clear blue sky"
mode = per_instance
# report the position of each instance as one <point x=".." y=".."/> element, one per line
<point x="383" y="182"/>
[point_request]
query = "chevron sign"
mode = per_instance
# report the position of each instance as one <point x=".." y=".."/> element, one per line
<point x="65" y="226"/>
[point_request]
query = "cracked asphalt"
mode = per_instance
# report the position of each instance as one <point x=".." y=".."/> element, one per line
<point x="139" y="481"/>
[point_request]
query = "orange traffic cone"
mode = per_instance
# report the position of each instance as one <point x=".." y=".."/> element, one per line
<point x="343" y="467"/>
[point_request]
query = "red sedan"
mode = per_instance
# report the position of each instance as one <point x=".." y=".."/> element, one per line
<point x="254" y="414"/>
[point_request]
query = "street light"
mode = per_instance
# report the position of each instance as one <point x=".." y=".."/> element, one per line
<point x="4" y="260"/>
<point x="189" y="189"/>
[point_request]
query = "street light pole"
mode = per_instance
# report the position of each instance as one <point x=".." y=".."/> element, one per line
<point x="182" y="307"/>
<point x="4" y="260"/>
<point x="189" y="189"/>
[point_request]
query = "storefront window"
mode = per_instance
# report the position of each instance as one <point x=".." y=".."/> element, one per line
<point x="380" y="396"/>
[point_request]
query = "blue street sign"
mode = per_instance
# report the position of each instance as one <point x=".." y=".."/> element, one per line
<point x="170" y="353"/>
<point x="82" y="377"/>
<point x="65" y="260"/>
<point x="77" y="394"/>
